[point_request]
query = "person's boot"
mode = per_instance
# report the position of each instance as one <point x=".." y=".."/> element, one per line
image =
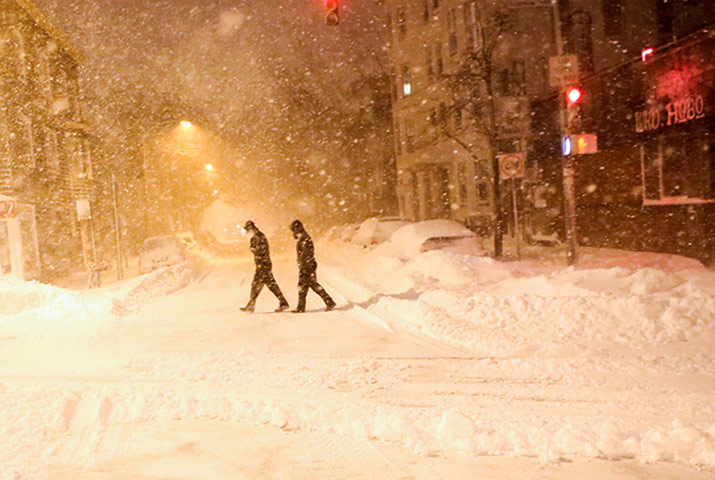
<point x="283" y="307"/>
<point x="250" y="307"/>
<point x="329" y="304"/>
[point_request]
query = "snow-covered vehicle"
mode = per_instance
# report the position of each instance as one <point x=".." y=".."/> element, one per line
<point x="377" y="230"/>
<point x="186" y="238"/>
<point x="343" y="233"/>
<point x="419" y="237"/>
<point x="157" y="252"/>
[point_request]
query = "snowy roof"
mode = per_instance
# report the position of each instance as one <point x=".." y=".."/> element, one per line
<point x="45" y="24"/>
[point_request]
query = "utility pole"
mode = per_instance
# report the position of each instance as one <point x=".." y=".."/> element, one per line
<point x="117" y="231"/>
<point x="567" y="159"/>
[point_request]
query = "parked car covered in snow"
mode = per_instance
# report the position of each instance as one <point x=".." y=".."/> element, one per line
<point x="157" y="252"/>
<point x="377" y="230"/>
<point x="186" y="238"/>
<point x="419" y="237"/>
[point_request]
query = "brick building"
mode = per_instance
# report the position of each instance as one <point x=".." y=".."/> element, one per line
<point x="648" y="71"/>
<point x="45" y="162"/>
<point x="443" y="153"/>
<point x="649" y="187"/>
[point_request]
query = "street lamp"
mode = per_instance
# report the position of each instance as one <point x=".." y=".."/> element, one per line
<point x="186" y="124"/>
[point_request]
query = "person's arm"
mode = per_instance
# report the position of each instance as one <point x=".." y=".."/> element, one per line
<point x="307" y="251"/>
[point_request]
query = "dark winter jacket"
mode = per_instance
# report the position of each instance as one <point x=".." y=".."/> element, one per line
<point x="306" y="253"/>
<point x="261" y="254"/>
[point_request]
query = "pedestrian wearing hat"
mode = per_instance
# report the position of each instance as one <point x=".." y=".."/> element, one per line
<point x="307" y="267"/>
<point x="264" y="270"/>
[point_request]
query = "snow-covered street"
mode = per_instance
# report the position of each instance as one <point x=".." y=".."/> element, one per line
<point x="597" y="373"/>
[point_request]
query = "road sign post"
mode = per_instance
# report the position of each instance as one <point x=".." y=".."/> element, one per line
<point x="512" y="166"/>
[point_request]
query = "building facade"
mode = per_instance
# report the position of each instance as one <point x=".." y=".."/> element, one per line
<point x="443" y="137"/>
<point x="45" y="160"/>
<point x="646" y="71"/>
<point x="648" y="80"/>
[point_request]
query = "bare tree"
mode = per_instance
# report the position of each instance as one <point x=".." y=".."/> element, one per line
<point x="472" y="86"/>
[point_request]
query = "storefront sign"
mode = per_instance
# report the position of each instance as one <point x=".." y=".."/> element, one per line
<point x="8" y="209"/>
<point x="672" y="113"/>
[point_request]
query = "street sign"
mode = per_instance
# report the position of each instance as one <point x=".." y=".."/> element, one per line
<point x="83" y="209"/>
<point x="512" y="165"/>
<point x="580" y="144"/>
<point x="586" y="143"/>
<point x="563" y="70"/>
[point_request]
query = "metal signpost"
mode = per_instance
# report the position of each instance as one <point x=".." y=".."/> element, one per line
<point x="512" y="166"/>
<point x="563" y="69"/>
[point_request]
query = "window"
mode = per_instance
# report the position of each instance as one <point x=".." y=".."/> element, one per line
<point x="470" y="23"/>
<point x="452" y="30"/>
<point x="613" y="17"/>
<point x="462" y="179"/>
<point x="29" y="140"/>
<point x="401" y="21"/>
<point x="84" y="158"/>
<point x="17" y="56"/>
<point x="52" y="159"/>
<point x="457" y="119"/>
<point x="482" y="191"/>
<point x="409" y="136"/>
<point x="435" y="4"/>
<point x="433" y="125"/>
<point x="45" y="75"/>
<point x="438" y="56"/>
<point x="406" y="81"/>
<point x="425" y="11"/>
<point x="442" y="119"/>
<point x="4" y="147"/>
<point x="678" y="169"/>
<point x="429" y="63"/>
<point x="512" y="79"/>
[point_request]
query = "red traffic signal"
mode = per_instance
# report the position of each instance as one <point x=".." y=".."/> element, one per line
<point x="331" y="12"/>
<point x="573" y="95"/>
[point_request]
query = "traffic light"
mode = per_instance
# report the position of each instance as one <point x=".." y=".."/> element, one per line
<point x="331" y="12"/>
<point x="573" y="107"/>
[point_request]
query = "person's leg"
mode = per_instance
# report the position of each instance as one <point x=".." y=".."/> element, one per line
<point x="273" y="287"/>
<point x="318" y="288"/>
<point x="303" y="285"/>
<point x="256" y="287"/>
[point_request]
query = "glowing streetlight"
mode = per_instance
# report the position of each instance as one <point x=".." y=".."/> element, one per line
<point x="186" y="124"/>
<point x="209" y="167"/>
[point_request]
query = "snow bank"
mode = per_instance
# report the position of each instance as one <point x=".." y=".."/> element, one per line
<point x="159" y="283"/>
<point x="31" y="309"/>
<point x="535" y="311"/>
<point x="35" y="310"/>
<point x="493" y="307"/>
<point x="424" y="431"/>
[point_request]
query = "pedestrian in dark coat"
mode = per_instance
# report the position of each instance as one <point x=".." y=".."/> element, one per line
<point x="307" y="267"/>
<point x="264" y="270"/>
